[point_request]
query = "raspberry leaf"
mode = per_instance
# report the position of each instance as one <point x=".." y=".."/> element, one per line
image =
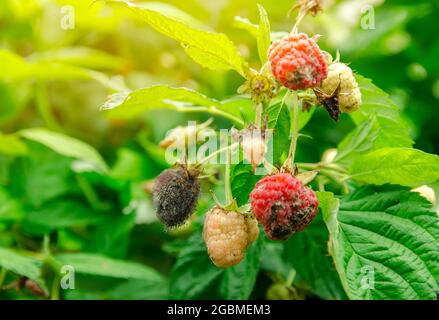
<point x="263" y="36"/>
<point x="242" y="182"/>
<point x="22" y="265"/>
<point x="308" y="253"/>
<point x="239" y="280"/>
<point x="100" y="265"/>
<point x="11" y="145"/>
<point x="59" y="214"/>
<point x="385" y="243"/>
<point x="393" y="130"/>
<point x="404" y="166"/>
<point x="194" y="276"/>
<point x="66" y="146"/>
<point x="210" y="49"/>
<point x="360" y="140"/>
<point x="129" y="105"/>
<point x="280" y="121"/>
<point x="15" y="68"/>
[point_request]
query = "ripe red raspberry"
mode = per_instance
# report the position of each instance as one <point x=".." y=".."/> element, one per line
<point x="297" y="62"/>
<point x="283" y="205"/>
<point x="175" y="194"/>
<point x="227" y="234"/>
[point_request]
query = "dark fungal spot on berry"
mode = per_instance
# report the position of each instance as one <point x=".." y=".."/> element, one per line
<point x="175" y="195"/>
<point x="280" y="232"/>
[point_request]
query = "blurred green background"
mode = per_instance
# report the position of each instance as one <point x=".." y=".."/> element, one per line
<point x="43" y="193"/>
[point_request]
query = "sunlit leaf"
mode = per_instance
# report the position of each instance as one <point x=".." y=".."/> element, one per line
<point x="65" y="145"/>
<point x="385" y="244"/>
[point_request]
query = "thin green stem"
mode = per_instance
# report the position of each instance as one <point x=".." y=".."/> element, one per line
<point x="54" y="293"/>
<point x="258" y="114"/>
<point x="3" y="274"/>
<point x="320" y="165"/>
<point x="89" y="192"/>
<point x="215" y="111"/>
<point x="219" y="151"/>
<point x="43" y="106"/>
<point x="291" y="277"/>
<point x="227" y="186"/>
<point x="295" y="134"/>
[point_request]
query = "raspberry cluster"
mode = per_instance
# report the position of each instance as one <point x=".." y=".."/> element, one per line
<point x="341" y="76"/>
<point x="283" y="205"/>
<point x="175" y="194"/>
<point x="227" y="234"/>
<point x="297" y="62"/>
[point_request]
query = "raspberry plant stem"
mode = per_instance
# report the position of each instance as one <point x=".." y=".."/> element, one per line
<point x="258" y="115"/>
<point x="227" y="186"/>
<point x="295" y="134"/>
<point x="214" y="111"/>
<point x="214" y="154"/>
<point x="43" y="106"/>
<point x="3" y="274"/>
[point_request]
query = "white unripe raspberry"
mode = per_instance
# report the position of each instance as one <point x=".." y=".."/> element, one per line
<point x="227" y="235"/>
<point x="349" y="98"/>
<point x="254" y="148"/>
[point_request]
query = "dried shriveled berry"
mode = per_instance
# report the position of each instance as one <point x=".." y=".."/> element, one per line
<point x="175" y="194"/>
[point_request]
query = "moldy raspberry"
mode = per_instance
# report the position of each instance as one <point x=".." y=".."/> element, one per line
<point x="283" y="205"/>
<point x="341" y="81"/>
<point x="175" y="194"/>
<point x="227" y="234"/>
<point x="297" y="62"/>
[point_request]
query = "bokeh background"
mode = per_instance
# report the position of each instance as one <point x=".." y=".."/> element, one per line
<point x="47" y="196"/>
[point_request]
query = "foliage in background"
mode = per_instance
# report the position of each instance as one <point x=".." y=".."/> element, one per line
<point x="73" y="178"/>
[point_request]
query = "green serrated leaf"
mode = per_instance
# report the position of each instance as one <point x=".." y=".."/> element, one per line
<point x="280" y="121"/>
<point x="404" y="166"/>
<point x="385" y="244"/>
<point x="308" y="253"/>
<point x="210" y="49"/>
<point x="360" y="140"/>
<point x="194" y="276"/>
<point x="242" y="180"/>
<point x="393" y="130"/>
<point x="193" y="273"/>
<point x="59" y="214"/>
<point x="131" y="105"/>
<point x="263" y="38"/>
<point x="22" y="265"/>
<point x="10" y="209"/>
<point x="140" y="290"/>
<point x="41" y="176"/>
<point x="238" y="281"/>
<point x="246" y="24"/>
<point x="66" y="146"/>
<point x="99" y="265"/>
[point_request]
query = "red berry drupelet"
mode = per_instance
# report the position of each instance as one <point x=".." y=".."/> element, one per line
<point x="297" y="62"/>
<point x="283" y="205"/>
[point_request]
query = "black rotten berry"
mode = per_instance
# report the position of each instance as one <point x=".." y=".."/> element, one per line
<point x="175" y="195"/>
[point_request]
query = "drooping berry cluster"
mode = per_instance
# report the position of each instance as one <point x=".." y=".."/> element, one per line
<point x="283" y="205"/>
<point x="227" y="234"/>
<point x="175" y="194"/>
<point x="297" y="62"/>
